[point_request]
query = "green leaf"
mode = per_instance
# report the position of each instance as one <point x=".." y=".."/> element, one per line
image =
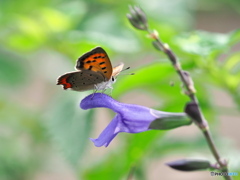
<point x="233" y="64"/>
<point x="20" y="157"/>
<point x="12" y="69"/>
<point x="169" y="145"/>
<point x="235" y="36"/>
<point x="203" y="43"/>
<point x="149" y="76"/>
<point x="118" y="164"/>
<point x="70" y="126"/>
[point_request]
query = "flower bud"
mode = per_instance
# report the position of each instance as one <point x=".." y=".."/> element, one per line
<point x="137" y="18"/>
<point x="192" y="110"/>
<point x="189" y="165"/>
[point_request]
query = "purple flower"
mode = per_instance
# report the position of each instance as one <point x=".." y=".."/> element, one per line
<point x="130" y="118"/>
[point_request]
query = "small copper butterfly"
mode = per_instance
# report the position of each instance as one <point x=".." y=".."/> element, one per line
<point x="94" y="71"/>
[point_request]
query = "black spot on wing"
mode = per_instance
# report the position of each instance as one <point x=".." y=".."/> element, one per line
<point x="80" y="63"/>
<point x="90" y="68"/>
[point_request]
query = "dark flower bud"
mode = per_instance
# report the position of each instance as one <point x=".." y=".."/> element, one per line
<point x="189" y="165"/>
<point x="192" y="110"/>
<point x="137" y="18"/>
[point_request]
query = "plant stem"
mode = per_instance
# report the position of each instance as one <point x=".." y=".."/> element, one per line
<point x="139" y="20"/>
<point x="130" y="174"/>
<point x="190" y="92"/>
<point x="222" y="163"/>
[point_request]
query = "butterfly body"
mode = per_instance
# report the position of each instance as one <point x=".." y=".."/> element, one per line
<point x="94" y="71"/>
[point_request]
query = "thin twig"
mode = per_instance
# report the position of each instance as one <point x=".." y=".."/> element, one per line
<point x="190" y="93"/>
<point x="131" y="173"/>
<point x="139" y="20"/>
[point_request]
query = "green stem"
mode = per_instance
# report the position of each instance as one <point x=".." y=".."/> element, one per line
<point x="204" y="127"/>
<point x="130" y="174"/>
<point x="223" y="164"/>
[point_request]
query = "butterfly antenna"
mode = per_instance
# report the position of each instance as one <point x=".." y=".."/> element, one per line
<point x="126" y="73"/>
<point x="125" y="69"/>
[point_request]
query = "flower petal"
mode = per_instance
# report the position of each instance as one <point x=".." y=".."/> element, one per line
<point x="99" y="100"/>
<point x="108" y="133"/>
<point x="130" y="118"/>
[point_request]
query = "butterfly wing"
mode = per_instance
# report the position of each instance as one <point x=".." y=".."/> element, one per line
<point x="96" y="60"/>
<point x="117" y="69"/>
<point x="80" y="80"/>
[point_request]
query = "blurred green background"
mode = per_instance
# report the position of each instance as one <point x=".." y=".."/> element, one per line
<point x="44" y="135"/>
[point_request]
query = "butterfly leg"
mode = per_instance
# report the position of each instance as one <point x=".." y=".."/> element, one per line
<point x="106" y="86"/>
<point x="103" y="91"/>
<point x="92" y="95"/>
<point x="111" y="89"/>
<point x="94" y="91"/>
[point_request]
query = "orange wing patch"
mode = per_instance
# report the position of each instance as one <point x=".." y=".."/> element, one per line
<point x="96" y="60"/>
<point x="63" y="81"/>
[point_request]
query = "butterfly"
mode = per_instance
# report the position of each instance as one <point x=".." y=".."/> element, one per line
<point x="94" y="71"/>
